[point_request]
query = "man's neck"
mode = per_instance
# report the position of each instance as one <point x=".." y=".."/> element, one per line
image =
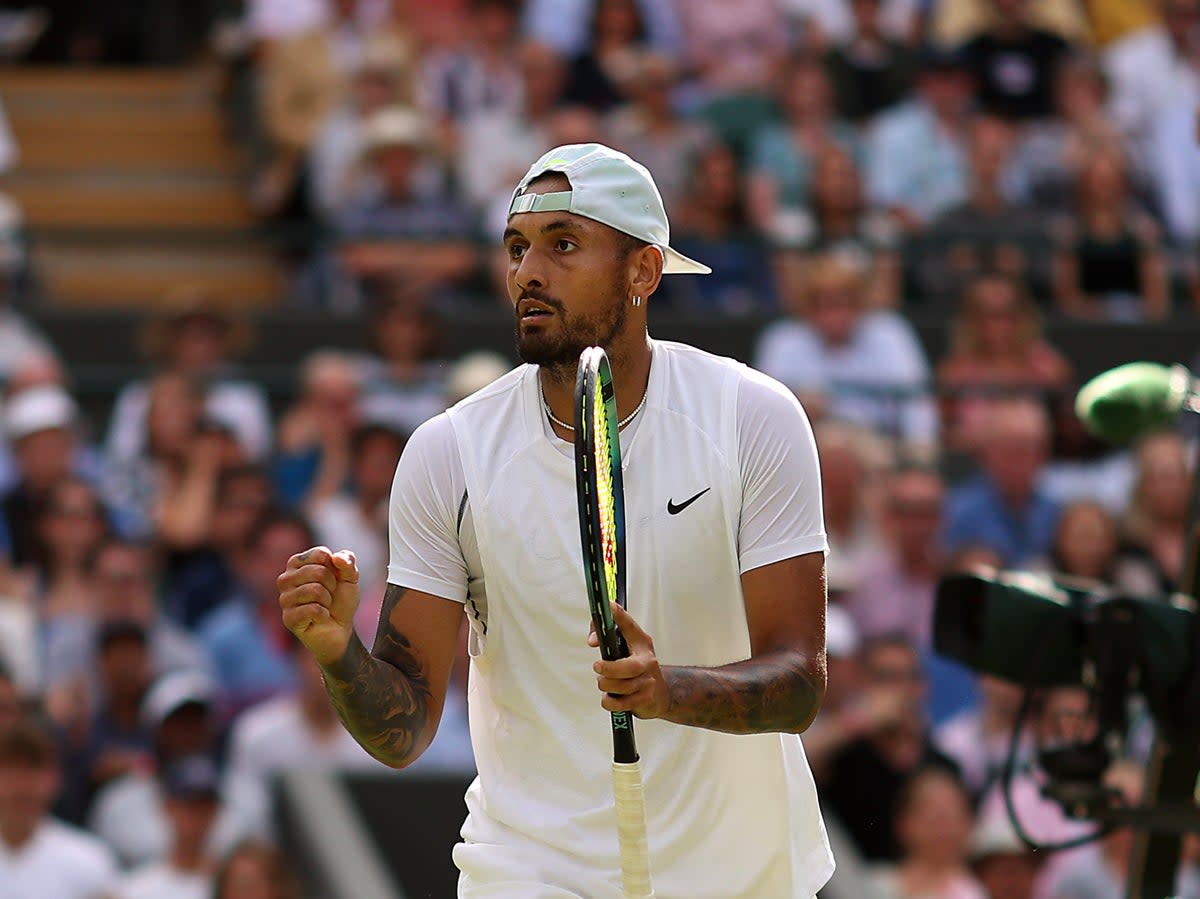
<point x="631" y="379"/>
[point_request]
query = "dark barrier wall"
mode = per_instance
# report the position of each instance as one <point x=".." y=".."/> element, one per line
<point x="415" y="822"/>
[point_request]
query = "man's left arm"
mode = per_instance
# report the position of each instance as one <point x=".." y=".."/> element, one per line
<point x="781" y="550"/>
<point x="778" y="689"/>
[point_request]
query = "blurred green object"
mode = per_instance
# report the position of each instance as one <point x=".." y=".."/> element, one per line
<point x="1127" y="401"/>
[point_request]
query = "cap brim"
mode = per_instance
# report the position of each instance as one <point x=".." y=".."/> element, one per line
<point x="675" y="263"/>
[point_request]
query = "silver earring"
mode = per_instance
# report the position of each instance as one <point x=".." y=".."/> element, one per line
<point x="637" y="301"/>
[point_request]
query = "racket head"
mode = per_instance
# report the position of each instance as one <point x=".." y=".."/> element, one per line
<point x="600" y="494"/>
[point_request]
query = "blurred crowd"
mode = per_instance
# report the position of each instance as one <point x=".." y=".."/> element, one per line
<point x="843" y="165"/>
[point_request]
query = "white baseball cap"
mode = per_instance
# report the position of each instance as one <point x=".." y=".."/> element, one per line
<point x="42" y="408"/>
<point x="608" y="187"/>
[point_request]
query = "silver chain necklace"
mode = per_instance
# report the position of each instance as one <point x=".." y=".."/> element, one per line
<point x="562" y="424"/>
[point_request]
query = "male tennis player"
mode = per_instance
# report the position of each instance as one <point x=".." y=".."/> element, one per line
<point x="725" y="569"/>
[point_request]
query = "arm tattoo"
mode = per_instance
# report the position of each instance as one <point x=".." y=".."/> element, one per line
<point x="774" y="692"/>
<point x="382" y="697"/>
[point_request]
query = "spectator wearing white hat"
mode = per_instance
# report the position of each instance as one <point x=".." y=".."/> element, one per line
<point x="1005" y="866"/>
<point x="40" y="424"/>
<point x="128" y="813"/>
<point x="408" y="226"/>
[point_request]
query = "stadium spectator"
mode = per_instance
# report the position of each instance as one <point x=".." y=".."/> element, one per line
<point x="712" y="224"/>
<point x="851" y="459"/>
<point x="839" y="221"/>
<point x="356" y="516"/>
<point x="195" y="334"/>
<point x="1174" y="158"/>
<point x="190" y="801"/>
<point x="933" y="823"/>
<point x="1155" y="69"/>
<point x="1005" y="866"/>
<point x="782" y="156"/>
<point x="996" y="350"/>
<point x="495" y="144"/>
<point x="1051" y="152"/>
<point x="246" y="643"/>
<point x="199" y="577"/>
<point x="871" y="63"/>
<point x="1155" y="522"/>
<point x="478" y="73"/>
<point x="916" y="152"/>
<point x="848" y="361"/>
<point x="563" y="24"/>
<point x="735" y="48"/>
<point x="616" y="37"/>
<point x="404" y="375"/>
<point x="649" y="128"/>
<point x="314" y="432"/>
<point x="40" y="856"/>
<point x="126" y="579"/>
<point x="896" y="584"/>
<point x="128" y="812"/>
<point x="296" y="731"/>
<point x="978" y="738"/>
<point x="298" y="83"/>
<point x="987" y="232"/>
<point x="1003" y="507"/>
<point x="113" y="742"/>
<point x="382" y="80"/>
<point x="1063" y="715"/>
<point x="256" y="870"/>
<point x="851" y="709"/>
<point x="1014" y="62"/>
<point x="1089" y="544"/>
<point x="41" y="425"/>
<point x="146" y="489"/>
<point x="408" y="227"/>
<point x="1109" y="263"/>
<point x="867" y="775"/>
<point x="69" y="522"/>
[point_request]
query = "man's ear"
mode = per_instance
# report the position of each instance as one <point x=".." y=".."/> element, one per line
<point x="646" y="268"/>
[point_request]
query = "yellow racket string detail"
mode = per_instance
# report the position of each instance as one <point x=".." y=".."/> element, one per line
<point x="604" y="497"/>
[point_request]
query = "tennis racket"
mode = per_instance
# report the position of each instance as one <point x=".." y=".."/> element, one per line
<point x="602" y="534"/>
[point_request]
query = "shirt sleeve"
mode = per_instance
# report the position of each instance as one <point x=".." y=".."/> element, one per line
<point x="781" y="478"/>
<point x="423" y="520"/>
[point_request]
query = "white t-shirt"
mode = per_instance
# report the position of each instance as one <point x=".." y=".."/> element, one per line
<point x="160" y="881"/>
<point x="59" y="861"/>
<point x="484" y="512"/>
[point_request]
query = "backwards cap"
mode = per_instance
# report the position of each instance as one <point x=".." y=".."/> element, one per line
<point x="608" y="187"/>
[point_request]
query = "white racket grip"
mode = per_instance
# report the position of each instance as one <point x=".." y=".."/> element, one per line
<point x="631" y="830"/>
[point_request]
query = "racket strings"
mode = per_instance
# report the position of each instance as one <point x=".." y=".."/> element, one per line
<point x="604" y="497"/>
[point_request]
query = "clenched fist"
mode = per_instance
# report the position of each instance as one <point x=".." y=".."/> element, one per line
<point x="318" y="594"/>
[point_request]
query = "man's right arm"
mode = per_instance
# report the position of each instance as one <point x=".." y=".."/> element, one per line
<point x="390" y="699"/>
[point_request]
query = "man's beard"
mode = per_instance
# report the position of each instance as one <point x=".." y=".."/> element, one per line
<point x="558" y="352"/>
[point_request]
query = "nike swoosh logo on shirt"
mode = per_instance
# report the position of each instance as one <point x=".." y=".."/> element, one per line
<point x="674" y="509"/>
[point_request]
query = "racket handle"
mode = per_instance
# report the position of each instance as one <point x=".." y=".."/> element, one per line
<point x="631" y="830"/>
